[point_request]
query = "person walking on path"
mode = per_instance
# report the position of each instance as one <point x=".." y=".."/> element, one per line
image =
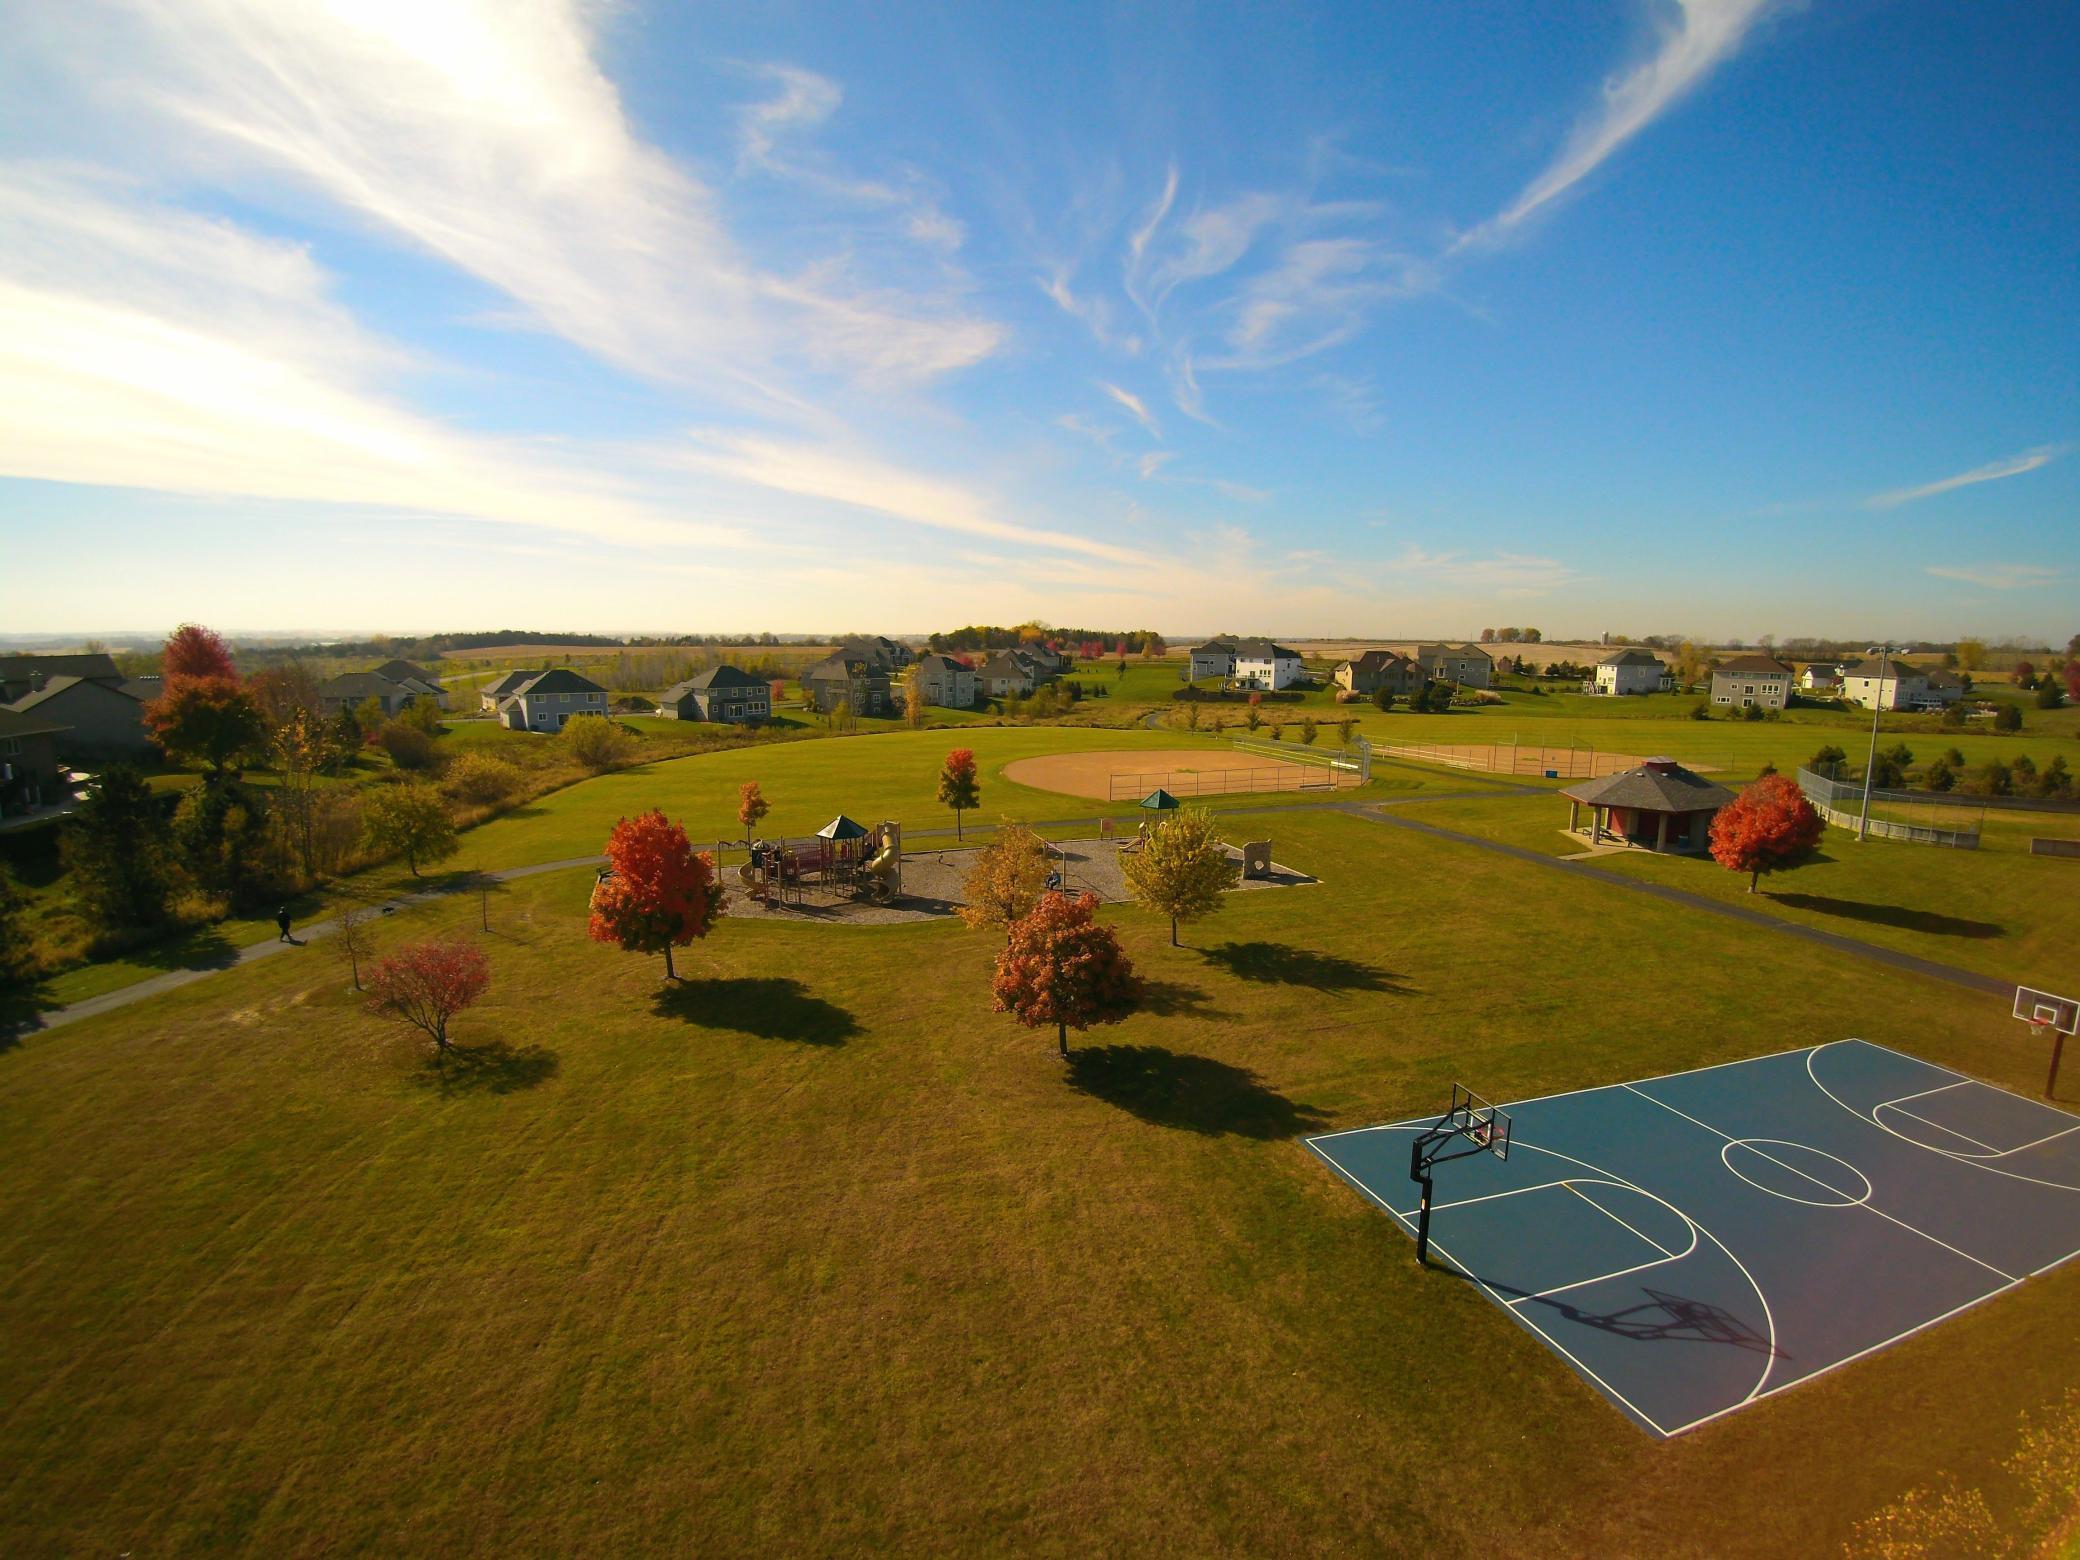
<point x="281" y="919"/>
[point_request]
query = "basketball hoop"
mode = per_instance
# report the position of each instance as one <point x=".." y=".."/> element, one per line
<point x="2048" y="1014"/>
<point x="1470" y="1119"/>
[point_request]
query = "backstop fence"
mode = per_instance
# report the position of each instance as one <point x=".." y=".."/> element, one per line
<point x="1841" y="804"/>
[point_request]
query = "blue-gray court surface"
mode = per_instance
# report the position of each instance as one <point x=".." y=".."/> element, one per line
<point x="1696" y="1242"/>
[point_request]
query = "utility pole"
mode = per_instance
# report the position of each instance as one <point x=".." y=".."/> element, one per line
<point x="1884" y="654"/>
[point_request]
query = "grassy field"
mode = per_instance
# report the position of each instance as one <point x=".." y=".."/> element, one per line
<point x="817" y="1253"/>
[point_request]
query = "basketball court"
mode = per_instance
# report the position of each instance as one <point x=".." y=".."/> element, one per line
<point x="1694" y="1243"/>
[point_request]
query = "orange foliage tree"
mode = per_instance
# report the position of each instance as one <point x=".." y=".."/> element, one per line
<point x="207" y="719"/>
<point x="426" y="984"/>
<point x="1062" y="967"/>
<point x="657" y="893"/>
<point x="751" y="807"/>
<point x="1768" y="827"/>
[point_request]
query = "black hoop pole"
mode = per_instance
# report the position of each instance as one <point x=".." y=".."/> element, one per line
<point x="2058" y="1046"/>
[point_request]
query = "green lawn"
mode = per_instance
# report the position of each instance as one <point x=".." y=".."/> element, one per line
<point x="818" y="1253"/>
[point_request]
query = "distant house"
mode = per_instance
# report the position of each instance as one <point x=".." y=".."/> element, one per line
<point x="1041" y="662"/>
<point x="1658" y="806"/>
<point x="1263" y="664"/>
<point x="1901" y="687"/>
<point x="351" y="690"/>
<point x="548" y="699"/>
<point x="1005" y="676"/>
<point x="1467" y="665"/>
<point x="858" y="681"/>
<point x="889" y="653"/>
<point x="96" y="720"/>
<point x="422" y="685"/>
<point x="1377" y="669"/>
<point x="1820" y="677"/>
<point x="25" y="674"/>
<point x="944" y="681"/>
<point x="721" y="693"/>
<point x="30" y="774"/>
<point x="1631" y="671"/>
<point x="1215" y="658"/>
<point x="1752" y="679"/>
<point x="496" y="692"/>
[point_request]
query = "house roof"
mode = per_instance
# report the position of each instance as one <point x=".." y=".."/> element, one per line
<point x="1897" y="670"/>
<point x="1213" y="647"/>
<point x="714" y="677"/>
<point x="404" y="671"/>
<point x="95" y="666"/>
<point x="1938" y="678"/>
<point x="144" y="689"/>
<point x="1432" y="652"/>
<point x="559" y="680"/>
<point x="1005" y="664"/>
<point x="1754" y="665"/>
<point x="942" y="663"/>
<point x="1263" y="650"/>
<point x="357" y="685"/>
<point x="60" y="685"/>
<point x="842" y="666"/>
<point x="14" y="723"/>
<point x="1658" y="785"/>
<point x="1631" y="658"/>
<point x="508" y="683"/>
<point x="1379" y="660"/>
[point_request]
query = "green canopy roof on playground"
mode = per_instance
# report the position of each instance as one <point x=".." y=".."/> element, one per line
<point x="1159" y="800"/>
<point x="842" y="828"/>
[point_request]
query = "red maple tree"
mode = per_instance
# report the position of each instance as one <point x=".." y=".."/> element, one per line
<point x="426" y="984"/>
<point x="657" y="893"/>
<point x="2073" y="679"/>
<point x="194" y="651"/>
<point x="206" y="718"/>
<point x="1769" y="826"/>
<point x="1062" y="967"/>
<point x="957" y="787"/>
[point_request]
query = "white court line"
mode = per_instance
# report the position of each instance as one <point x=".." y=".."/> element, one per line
<point x="1599" y="1207"/>
<point x="1551" y="1342"/>
<point x="1874" y="1208"/>
<point x="1952" y="1131"/>
<point x="1977" y="1160"/>
<point x="1595" y="1088"/>
<point x="1942" y="1088"/>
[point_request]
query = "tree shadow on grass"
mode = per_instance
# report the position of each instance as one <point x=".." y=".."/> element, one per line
<point x="203" y="949"/>
<point x="1167" y="998"/>
<point x="1906" y="919"/>
<point x="1191" y="1093"/>
<point x="1285" y="965"/>
<point x="21" y="1012"/>
<point x="492" y="1067"/>
<point x="772" y="1007"/>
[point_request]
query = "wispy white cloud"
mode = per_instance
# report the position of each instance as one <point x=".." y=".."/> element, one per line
<point x="1506" y="575"/>
<point x="1134" y="405"/>
<point x="150" y="348"/>
<point x="1700" y="35"/>
<point x="1154" y="461"/>
<point x="1999" y="576"/>
<point x="1992" y="471"/>
<point x="486" y="134"/>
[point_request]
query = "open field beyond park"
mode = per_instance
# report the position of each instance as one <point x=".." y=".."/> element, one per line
<point x="814" y="1251"/>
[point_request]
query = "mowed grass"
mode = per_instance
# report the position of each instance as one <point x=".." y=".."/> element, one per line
<point x="871" y="778"/>
<point x="817" y="1253"/>
<point x="1998" y="910"/>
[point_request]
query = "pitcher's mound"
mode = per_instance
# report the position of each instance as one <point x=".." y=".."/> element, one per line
<point x="1185" y="773"/>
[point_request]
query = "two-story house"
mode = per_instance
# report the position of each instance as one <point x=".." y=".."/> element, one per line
<point x="1377" y="669"/>
<point x="944" y="681"/>
<point x="721" y="693"/>
<point x="96" y="720"/>
<point x="1630" y="671"/>
<point x="547" y="700"/>
<point x="1215" y="658"/>
<point x="1264" y="664"/>
<point x="1467" y="665"/>
<point x="860" y="682"/>
<point x="1752" y="679"/>
<point x="393" y="686"/>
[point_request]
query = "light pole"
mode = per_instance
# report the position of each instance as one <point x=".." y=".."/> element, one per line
<point x="1884" y="654"/>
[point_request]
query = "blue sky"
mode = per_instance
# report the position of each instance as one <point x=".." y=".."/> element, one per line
<point x="1724" y="317"/>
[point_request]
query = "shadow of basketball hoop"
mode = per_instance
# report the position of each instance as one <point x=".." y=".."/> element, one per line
<point x="1662" y="1318"/>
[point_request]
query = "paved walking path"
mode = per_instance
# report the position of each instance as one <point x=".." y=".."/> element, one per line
<point x="1378" y="812"/>
<point x="1970" y="979"/>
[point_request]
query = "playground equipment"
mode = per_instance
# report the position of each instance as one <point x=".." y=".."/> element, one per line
<point x="843" y="856"/>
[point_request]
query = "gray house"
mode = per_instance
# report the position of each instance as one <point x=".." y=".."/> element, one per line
<point x="1377" y="669"/>
<point x="721" y="693"/>
<point x="1752" y="679"/>
<point x="1467" y="665"/>
<point x="858" y="681"/>
<point x="1215" y="658"/>
<point x="889" y="654"/>
<point x="408" y="686"/>
<point x="1005" y="676"/>
<point x="30" y="774"/>
<point x="496" y="692"/>
<point x="944" y="681"/>
<point x="548" y="699"/>
<point x="96" y="720"/>
<point x="25" y="674"/>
